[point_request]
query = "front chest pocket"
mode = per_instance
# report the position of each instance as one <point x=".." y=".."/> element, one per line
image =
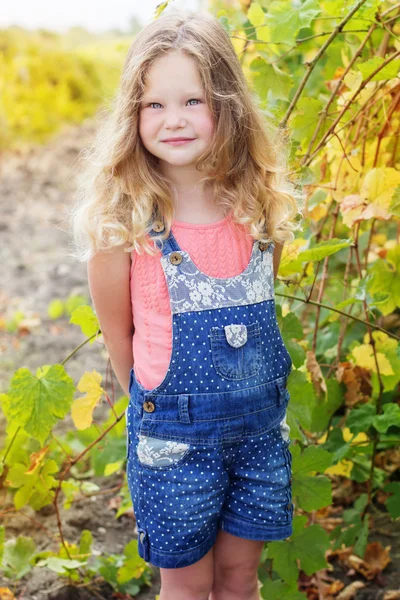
<point x="236" y="350"/>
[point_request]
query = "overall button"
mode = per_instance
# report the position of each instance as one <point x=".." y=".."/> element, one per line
<point x="158" y="226"/>
<point x="148" y="406"/>
<point x="263" y="245"/>
<point x="175" y="258"/>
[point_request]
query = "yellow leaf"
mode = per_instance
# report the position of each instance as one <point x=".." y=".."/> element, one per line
<point x="342" y="468"/>
<point x="160" y="8"/>
<point x="364" y="357"/>
<point x="318" y="213"/>
<point x="291" y="250"/>
<point x="255" y="14"/>
<point x="354" y="208"/>
<point x="82" y="408"/>
<point x="112" y="468"/>
<point x="351" y="208"/>
<point x="353" y="80"/>
<point x="379" y="184"/>
<point x="360" y="437"/>
<point x="6" y="594"/>
<point x="36" y="459"/>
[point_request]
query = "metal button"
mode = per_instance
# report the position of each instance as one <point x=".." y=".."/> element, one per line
<point x="263" y="245"/>
<point x="175" y="258"/>
<point x="148" y="406"/>
<point x="158" y="226"/>
<point x="141" y="536"/>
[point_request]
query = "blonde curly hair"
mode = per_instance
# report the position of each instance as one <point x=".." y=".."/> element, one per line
<point x="121" y="188"/>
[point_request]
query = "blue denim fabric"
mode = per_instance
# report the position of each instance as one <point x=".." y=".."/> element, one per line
<point x="208" y="448"/>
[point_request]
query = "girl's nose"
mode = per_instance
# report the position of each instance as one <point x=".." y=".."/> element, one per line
<point x="174" y="119"/>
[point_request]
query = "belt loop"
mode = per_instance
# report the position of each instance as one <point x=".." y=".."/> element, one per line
<point x="282" y="390"/>
<point x="183" y="405"/>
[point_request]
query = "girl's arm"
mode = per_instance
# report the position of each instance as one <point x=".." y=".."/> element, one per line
<point x="108" y="277"/>
<point x="277" y="257"/>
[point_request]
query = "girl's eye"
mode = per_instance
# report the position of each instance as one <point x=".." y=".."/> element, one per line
<point x="195" y="99"/>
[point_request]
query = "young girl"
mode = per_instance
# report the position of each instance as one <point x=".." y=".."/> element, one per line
<point x="185" y="208"/>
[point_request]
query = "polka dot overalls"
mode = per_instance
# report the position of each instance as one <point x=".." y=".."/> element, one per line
<point x="208" y="448"/>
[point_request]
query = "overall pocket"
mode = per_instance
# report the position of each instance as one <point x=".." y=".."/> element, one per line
<point x="236" y="350"/>
<point x="159" y="454"/>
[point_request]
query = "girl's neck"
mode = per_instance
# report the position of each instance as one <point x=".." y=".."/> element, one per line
<point x="198" y="215"/>
<point x="196" y="206"/>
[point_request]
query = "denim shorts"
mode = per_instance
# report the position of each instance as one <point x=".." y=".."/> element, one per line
<point x="203" y="462"/>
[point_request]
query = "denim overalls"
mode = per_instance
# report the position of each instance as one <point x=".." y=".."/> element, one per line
<point x="208" y="448"/>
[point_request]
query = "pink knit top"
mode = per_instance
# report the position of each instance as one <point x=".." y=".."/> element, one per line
<point x="219" y="249"/>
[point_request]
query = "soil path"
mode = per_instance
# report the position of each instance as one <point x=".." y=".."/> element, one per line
<point x="35" y="189"/>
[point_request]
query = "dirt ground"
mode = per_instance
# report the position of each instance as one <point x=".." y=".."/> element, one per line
<point x="35" y="189"/>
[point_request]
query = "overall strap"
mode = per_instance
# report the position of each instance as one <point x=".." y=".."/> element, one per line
<point x="170" y="244"/>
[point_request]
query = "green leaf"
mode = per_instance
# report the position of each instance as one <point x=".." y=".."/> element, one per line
<point x="133" y="566"/>
<point x="35" y="486"/>
<point x="393" y="502"/>
<point x="362" y="539"/>
<point x="385" y="276"/>
<point x="313" y="459"/>
<point x="303" y="122"/>
<point x="324" y="411"/>
<point x="86" y="319"/>
<point x="390" y="417"/>
<point x="284" y="560"/>
<point x="325" y="248"/>
<point x="55" y="309"/>
<point x="302" y="403"/>
<point x="286" y="19"/>
<point x="38" y="402"/>
<point x="62" y="566"/>
<point x="292" y="327"/>
<point x="347" y="536"/>
<point x="17" y="556"/>
<point x="297" y="353"/>
<point x="308" y="544"/>
<point x="255" y="14"/>
<point x="269" y="79"/>
<point x="311" y="491"/>
<point x="394" y="206"/>
<point x="85" y="543"/>
<point x="389" y="72"/>
<point x="361" y="419"/>
<point x="72" y="302"/>
<point x="226" y="24"/>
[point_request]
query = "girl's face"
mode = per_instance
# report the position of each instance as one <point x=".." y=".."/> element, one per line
<point x="174" y="106"/>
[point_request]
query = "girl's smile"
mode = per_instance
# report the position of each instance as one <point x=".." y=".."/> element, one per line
<point x="178" y="142"/>
<point x="173" y="104"/>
